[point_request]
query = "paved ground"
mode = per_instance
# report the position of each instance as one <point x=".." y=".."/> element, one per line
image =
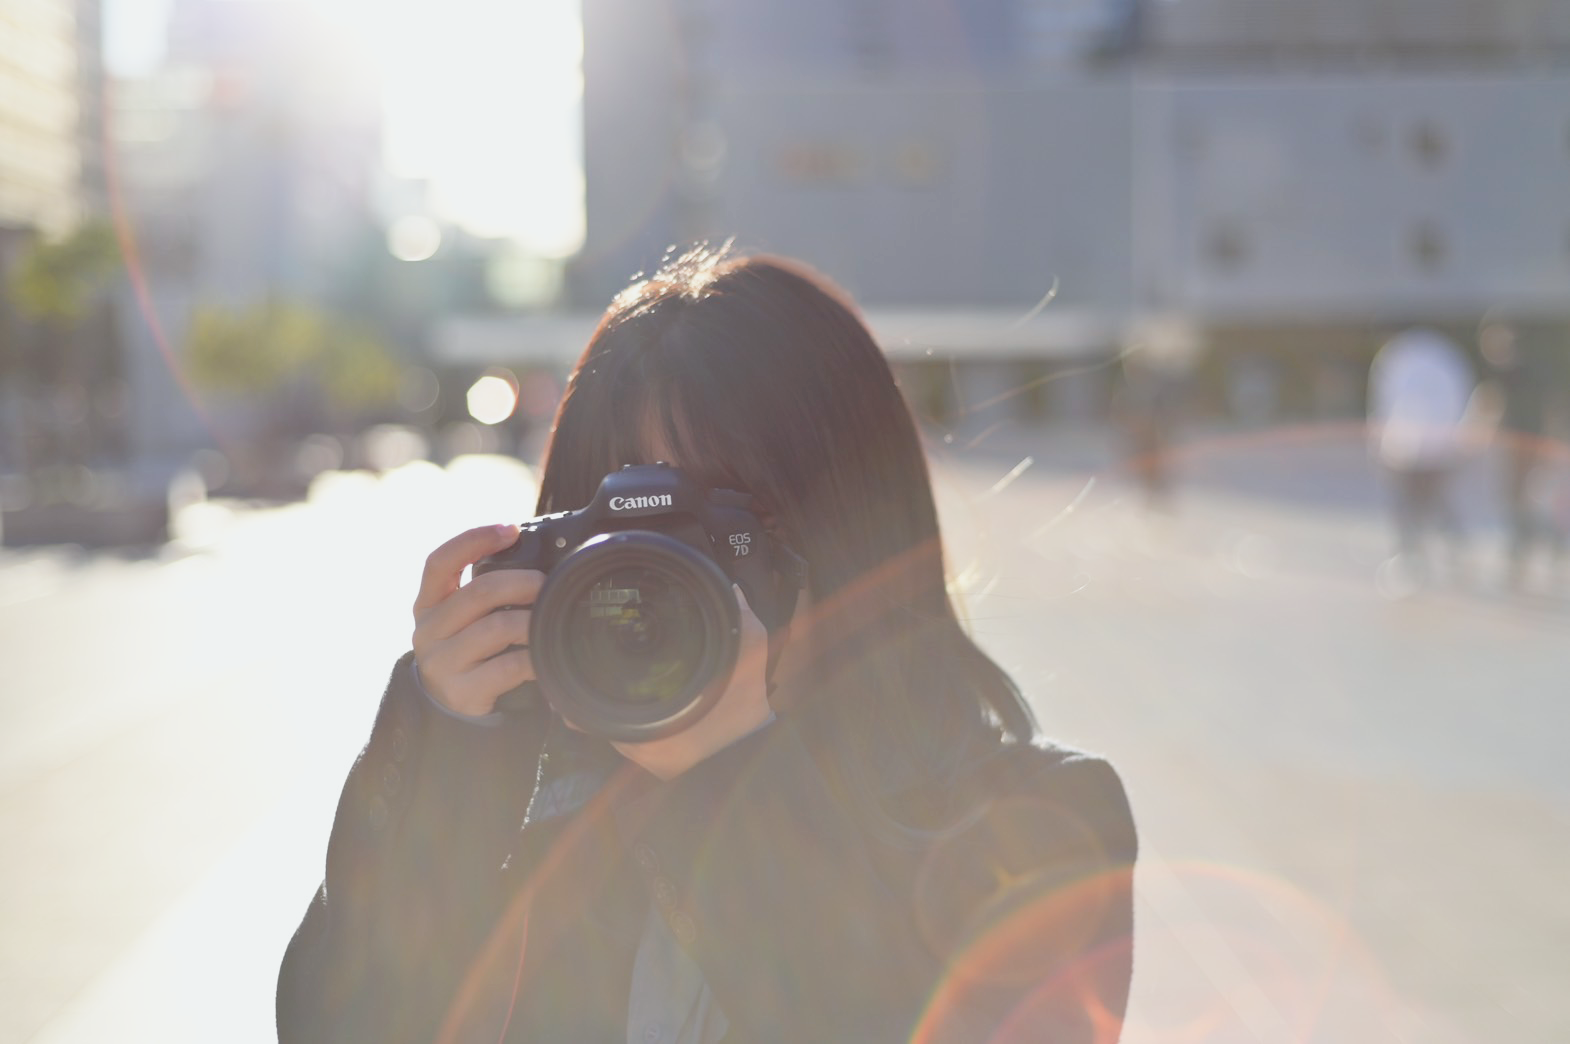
<point x="1355" y="807"/>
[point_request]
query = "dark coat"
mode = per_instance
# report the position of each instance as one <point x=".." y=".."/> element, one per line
<point x="441" y="919"/>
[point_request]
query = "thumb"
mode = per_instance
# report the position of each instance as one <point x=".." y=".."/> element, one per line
<point x="747" y="613"/>
<point x="757" y="644"/>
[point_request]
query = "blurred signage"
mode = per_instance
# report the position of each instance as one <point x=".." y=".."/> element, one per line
<point x="821" y="163"/>
<point x="913" y="164"/>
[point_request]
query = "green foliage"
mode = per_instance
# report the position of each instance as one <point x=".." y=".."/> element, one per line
<point x="270" y="348"/>
<point x="356" y="371"/>
<point x="56" y="281"/>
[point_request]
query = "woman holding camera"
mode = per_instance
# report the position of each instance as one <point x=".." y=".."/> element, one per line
<point x="861" y="837"/>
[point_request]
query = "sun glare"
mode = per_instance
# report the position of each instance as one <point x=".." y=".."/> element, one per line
<point x="482" y="99"/>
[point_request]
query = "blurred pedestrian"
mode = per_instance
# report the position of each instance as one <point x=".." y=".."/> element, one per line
<point x="861" y="839"/>
<point x="1420" y="388"/>
<point x="1523" y="376"/>
<point x="1148" y="406"/>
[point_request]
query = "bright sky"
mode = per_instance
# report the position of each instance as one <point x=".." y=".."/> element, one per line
<point x="482" y="97"/>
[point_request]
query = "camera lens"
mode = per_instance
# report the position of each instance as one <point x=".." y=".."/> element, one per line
<point x="634" y="635"/>
<point x="637" y="634"/>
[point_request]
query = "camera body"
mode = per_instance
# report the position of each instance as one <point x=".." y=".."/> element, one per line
<point x="636" y="630"/>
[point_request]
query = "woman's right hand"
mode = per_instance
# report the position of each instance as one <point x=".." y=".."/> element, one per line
<point x="462" y="635"/>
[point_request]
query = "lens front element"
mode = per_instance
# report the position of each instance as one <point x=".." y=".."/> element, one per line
<point x="637" y="635"/>
<point x="634" y="635"/>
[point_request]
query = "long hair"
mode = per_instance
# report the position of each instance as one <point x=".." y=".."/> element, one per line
<point x="758" y="375"/>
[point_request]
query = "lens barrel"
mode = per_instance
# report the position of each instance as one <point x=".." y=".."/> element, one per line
<point x="635" y="635"/>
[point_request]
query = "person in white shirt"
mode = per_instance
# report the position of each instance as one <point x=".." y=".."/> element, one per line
<point x="1420" y="386"/>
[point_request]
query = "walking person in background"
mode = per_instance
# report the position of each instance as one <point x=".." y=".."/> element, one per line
<point x="1145" y="407"/>
<point x="1148" y="404"/>
<point x="1420" y="388"/>
<point x="862" y="839"/>
<point x="1524" y="379"/>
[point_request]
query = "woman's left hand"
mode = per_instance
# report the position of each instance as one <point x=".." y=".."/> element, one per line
<point x="743" y="708"/>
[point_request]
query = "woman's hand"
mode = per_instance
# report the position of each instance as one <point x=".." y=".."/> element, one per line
<point x="743" y="708"/>
<point x="464" y="645"/>
<point x="461" y="640"/>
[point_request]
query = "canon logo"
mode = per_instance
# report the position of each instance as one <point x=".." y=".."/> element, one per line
<point x="633" y="503"/>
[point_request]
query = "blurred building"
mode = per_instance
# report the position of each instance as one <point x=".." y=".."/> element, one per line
<point x="50" y="86"/>
<point x="1316" y="174"/>
<point x="922" y="153"/>
<point x="1284" y="175"/>
<point x="268" y="148"/>
<point x="247" y="168"/>
<point x="51" y="79"/>
<point x="1449" y="33"/>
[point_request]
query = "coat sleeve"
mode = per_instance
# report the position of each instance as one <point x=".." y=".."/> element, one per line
<point x="1014" y="924"/>
<point x="424" y="820"/>
<point x="1035" y="901"/>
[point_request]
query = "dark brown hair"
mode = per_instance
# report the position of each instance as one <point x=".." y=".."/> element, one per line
<point x="760" y="376"/>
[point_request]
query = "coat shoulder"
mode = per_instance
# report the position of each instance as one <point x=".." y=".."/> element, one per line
<point x="1078" y="791"/>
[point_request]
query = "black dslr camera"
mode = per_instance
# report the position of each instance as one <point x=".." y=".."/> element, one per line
<point x="636" y="630"/>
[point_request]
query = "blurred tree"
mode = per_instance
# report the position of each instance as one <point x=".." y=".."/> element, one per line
<point x="58" y="281"/>
<point x="60" y="285"/>
<point x="300" y="371"/>
<point x="357" y="371"/>
<point x="295" y="371"/>
<point x="254" y="352"/>
<point x="280" y="348"/>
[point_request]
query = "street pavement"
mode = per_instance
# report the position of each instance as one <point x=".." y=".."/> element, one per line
<point x="1353" y="797"/>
